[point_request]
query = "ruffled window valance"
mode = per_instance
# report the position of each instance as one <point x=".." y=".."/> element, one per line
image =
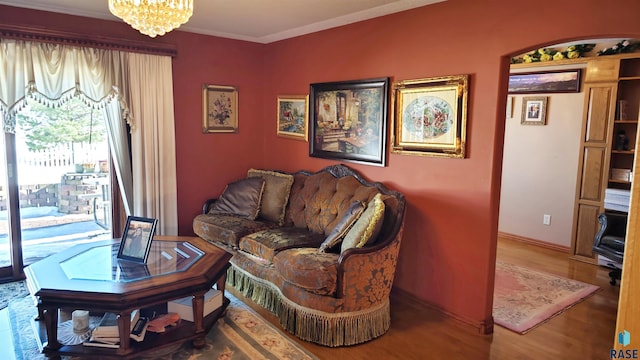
<point x="54" y="73"/>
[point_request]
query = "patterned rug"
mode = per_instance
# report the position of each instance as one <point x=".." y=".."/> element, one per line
<point x="240" y="334"/>
<point x="524" y="298"/>
<point x="10" y="291"/>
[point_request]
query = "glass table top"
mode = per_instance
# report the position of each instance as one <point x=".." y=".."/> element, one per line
<point x="101" y="262"/>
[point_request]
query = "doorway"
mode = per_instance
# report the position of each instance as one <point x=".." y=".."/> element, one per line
<point x="565" y="155"/>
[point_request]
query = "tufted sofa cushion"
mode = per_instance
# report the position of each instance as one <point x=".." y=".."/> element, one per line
<point x="319" y="201"/>
<point x="309" y="269"/>
<point x="227" y="229"/>
<point x="266" y="243"/>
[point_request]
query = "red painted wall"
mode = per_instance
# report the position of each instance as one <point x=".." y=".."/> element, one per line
<point x="448" y="252"/>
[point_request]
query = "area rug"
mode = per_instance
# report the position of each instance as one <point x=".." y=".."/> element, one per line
<point x="12" y="290"/>
<point x="240" y="334"/>
<point x="524" y="298"/>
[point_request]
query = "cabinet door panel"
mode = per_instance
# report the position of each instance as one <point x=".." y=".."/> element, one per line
<point x="587" y="228"/>
<point x="592" y="174"/>
<point x="602" y="70"/>
<point x="598" y="113"/>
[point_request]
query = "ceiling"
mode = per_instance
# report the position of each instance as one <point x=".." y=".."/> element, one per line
<point x="261" y="21"/>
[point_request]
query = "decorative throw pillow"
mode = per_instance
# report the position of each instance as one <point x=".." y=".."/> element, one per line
<point x="340" y="230"/>
<point x="241" y="198"/>
<point x="367" y="227"/>
<point x="277" y="187"/>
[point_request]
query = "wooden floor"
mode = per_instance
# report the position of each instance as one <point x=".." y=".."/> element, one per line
<point x="585" y="331"/>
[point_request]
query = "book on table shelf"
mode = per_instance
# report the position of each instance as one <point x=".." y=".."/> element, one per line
<point x="184" y="306"/>
<point x="108" y="335"/>
<point x="108" y="326"/>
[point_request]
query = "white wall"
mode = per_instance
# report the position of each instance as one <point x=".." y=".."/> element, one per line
<point x="540" y="168"/>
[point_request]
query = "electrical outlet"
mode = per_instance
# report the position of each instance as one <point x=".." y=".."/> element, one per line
<point x="546" y="219"/>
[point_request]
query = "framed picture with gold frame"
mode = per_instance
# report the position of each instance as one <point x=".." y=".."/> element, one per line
<point x="534" y="110"/>
<point x="293" y="117"/>
<point x="219" y="109"/>
<point x="430" y="116"/>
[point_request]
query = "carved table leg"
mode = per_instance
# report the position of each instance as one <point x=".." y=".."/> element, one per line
<point x="221" y="281"/>
<point x="198" y="319"/>
<point x="124" y="327"/>
<point x="51" y="325"/>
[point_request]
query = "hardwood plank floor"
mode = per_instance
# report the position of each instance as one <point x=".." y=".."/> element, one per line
<point x="585" y="331"/>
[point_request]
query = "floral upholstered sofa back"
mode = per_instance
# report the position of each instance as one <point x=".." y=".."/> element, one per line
<point x="318" y="201"/>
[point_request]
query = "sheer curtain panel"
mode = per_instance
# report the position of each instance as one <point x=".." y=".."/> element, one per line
<point x="153" y="140"/>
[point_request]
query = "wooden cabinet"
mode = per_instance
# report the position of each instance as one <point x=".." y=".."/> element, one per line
<point x="625" y="124"/>
<point x="610" y="126"/>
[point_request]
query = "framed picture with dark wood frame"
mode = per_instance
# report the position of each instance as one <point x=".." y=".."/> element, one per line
<point x="560" y="81"/>
<point x="136" y="239"/>
<point x="348" y="120"/>
<point x="430" y="116"/>
<point x="534" y="110"/>
<point x="219" y="109"/>
<point x="293" y="116"/>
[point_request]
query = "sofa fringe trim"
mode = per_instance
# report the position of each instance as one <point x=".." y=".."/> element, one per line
<point x="259" y="291"/>
<point x="329" y="329"/>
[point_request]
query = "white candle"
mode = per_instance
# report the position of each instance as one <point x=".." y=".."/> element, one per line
<point x="80" y="321"/>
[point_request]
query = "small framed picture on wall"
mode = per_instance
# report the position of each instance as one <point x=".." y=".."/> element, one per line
<point x="534" y="110"/>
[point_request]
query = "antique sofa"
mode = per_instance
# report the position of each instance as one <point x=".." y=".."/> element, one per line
<point x="319" y="252"/>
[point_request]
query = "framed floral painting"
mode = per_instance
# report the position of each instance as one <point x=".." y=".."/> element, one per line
<point x="293" y="116"/>
<point x="430" y="116"/>
<point x="220" y="109"/>
<point x="348" y="120"/>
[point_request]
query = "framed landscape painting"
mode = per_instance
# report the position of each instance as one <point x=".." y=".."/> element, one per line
<point x="219" y="109"/>
<point x="293" y="116"/>
<point x="348" y="120"/>
<point x="561" y="81"/>
<point x="430" y="116"/>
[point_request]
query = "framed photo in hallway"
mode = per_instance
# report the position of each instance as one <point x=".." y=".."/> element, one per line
<point x="534" y="110"/>
<point x="219" y="109"/>
<point x="136" y="239"/>
<point x="348" y="120"/>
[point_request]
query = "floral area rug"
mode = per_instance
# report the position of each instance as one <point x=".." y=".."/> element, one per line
<point x="524" y="298"/>
<point x="241" y="334"/>
<point x="12" y="290"/>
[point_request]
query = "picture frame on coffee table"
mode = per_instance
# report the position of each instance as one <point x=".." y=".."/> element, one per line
<point x="136" y="239"/>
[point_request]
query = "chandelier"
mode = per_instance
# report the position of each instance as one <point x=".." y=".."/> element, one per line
<point x="152" y="17"/>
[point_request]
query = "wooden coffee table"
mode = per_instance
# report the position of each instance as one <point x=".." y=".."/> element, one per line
<point x="90" y="277"/>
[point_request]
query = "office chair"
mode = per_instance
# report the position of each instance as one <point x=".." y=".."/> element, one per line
<point x="609" y="240"/>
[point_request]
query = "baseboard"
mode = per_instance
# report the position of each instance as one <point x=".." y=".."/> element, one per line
<point x="484" y="327"/>
<point x="540" y="243"/>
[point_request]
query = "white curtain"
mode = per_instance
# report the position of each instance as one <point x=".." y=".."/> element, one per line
<point x="53" y="73"/>
<point x="115" y="82"/>
<point x="153" y="140"/>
